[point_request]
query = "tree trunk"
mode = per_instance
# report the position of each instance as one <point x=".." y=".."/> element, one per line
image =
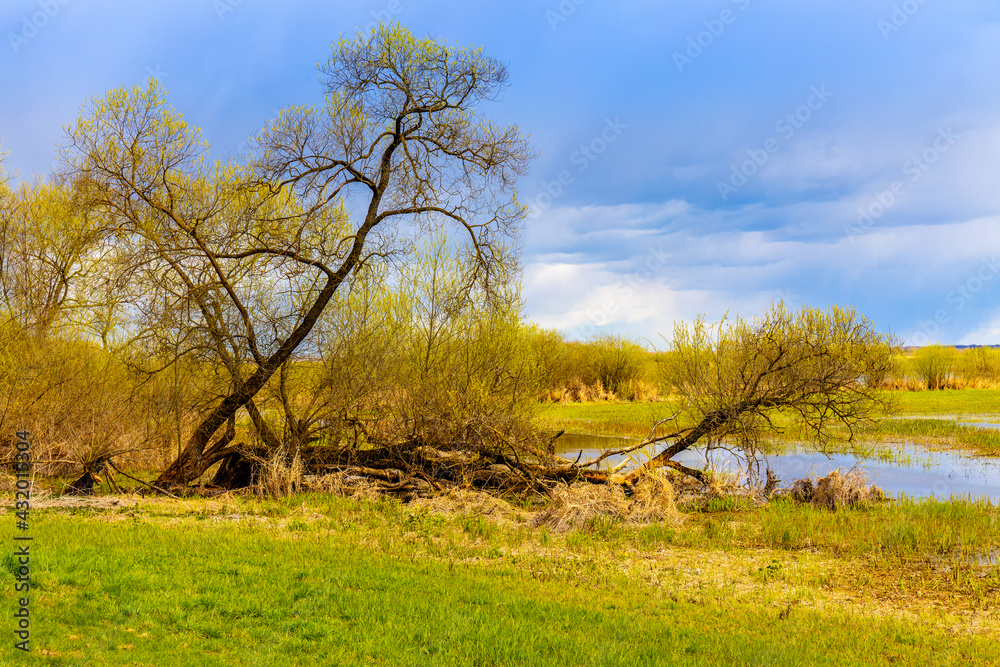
<point x="709" y="424"/>
<point x="197" y="456"/>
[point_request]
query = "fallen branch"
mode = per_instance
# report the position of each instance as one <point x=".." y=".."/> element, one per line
<point x="155" y="488"/>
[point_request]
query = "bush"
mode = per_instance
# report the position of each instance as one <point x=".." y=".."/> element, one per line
<point x="935" y="365"/>
<point x="979" y="367"/>
<point x="619" y="365"/>
<point x="78" y="402"/>
<point x="605" y="368"/>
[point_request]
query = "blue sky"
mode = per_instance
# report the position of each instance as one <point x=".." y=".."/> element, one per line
<point x="694" y="157"/>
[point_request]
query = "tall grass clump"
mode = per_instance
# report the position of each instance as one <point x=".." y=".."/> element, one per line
<point x="836" y="490"/>
<point x="581" y="506"/>
<point x="281" y="476"/>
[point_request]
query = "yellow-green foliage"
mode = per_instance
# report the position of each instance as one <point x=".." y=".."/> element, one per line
<point x="945" y="367"/>
<point x="466" y="370"/>
<point x="811" y="368"/>
<point x="4" y="182"/>
<point x="59" y="378"/>
<point x="77" y="401"/>
<point x="618" y="364"/>
<point x="607" y="367"/>
<point x="46" y="260"/>
<point x="935" y="365"/>
<point x="422" y="353"/>
<point x="979" y="367"/>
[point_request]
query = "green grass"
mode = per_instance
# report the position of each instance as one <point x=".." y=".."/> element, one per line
<point x="316" y="580"/>
<point x="949" y="402"/>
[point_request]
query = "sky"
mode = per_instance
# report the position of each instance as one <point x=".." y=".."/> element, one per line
<point x="694" y="158"/>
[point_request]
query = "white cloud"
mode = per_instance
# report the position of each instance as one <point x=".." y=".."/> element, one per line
<point x="641" y="284"/>
<point x="986" y="334"/>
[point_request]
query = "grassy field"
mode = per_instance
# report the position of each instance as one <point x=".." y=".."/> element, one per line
<point x="319" y="580"/>
<point x="926" y="417"/>
<point x="984" y="402"/>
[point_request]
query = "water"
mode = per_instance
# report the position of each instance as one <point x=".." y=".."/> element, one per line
<point x="991" y="558"/>
<point x="930" y="475"/>
<point x="979" y="424"/>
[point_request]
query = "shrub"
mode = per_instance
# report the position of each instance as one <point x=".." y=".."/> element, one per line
<point x="934" y="365"/>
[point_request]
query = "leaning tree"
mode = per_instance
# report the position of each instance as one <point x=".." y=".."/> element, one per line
<point x="820" y="372"/>
<point x="253" y="251"/>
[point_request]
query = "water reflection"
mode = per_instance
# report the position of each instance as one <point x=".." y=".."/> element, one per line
<point x="935" y="474"/>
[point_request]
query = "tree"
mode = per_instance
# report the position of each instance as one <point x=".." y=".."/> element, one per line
<point x="256" y="251"/>
<point x="466" y="380"/>
<point x="741" y="381"/>
<point x="935" y="365"/>
<point x="76" y="399"/>
<point x="46" y="253"/>
<point x="4" y="183"/>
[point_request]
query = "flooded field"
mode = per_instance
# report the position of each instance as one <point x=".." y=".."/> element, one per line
<point x="917" y="472"/>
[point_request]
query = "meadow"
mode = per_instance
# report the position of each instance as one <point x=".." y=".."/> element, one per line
<point x="322" y="580"/>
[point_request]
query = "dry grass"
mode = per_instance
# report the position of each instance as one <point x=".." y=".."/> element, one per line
<point x="638" y="391"/>
<point x="460" y="500"/>
<point x="41" y="501"/>
<point x="578" y="392"/>
<point x="342" y="484"/>
<point x="690" y="492"/>
<point x="653" y="499"/>
<point x="577" y="506"/>
<point x="7" y="483"/>
<point x="280" y="477"/>
<point x="836" y="490"/>
<point x="917" y="384"/>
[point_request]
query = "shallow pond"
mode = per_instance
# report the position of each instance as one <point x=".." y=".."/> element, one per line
<point x="930" y="474"/>
<point x="980" y="424"/>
